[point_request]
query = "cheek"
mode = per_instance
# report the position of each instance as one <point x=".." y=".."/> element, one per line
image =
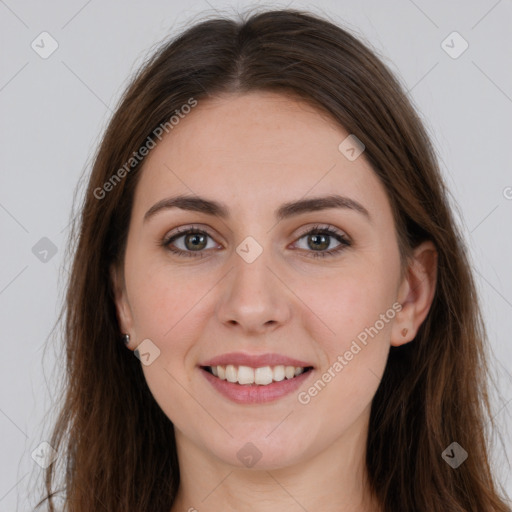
<point x="170" y="308"/>
<point x="355" y="307"/>
<point x="349" y="302"/>
<point x="167" y="309"/>
<point x="163" y="297"/>
<point x="358" y="309"/>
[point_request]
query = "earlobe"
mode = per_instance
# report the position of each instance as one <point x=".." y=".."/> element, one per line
<point x="123" y="311"/>
<point x="416" y="293"/>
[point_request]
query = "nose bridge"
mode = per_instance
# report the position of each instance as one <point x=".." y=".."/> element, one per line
<point x="253" y="297"/>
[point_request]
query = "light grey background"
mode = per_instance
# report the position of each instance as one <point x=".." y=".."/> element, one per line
<point x="54" y="110"/>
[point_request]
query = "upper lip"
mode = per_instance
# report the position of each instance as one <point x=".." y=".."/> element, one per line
<point x="254" y="361"/>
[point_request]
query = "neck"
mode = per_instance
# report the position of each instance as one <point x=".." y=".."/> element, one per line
<point x="333" y="480"/>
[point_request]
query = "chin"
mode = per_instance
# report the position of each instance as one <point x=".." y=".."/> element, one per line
<point x="258" y="452"/>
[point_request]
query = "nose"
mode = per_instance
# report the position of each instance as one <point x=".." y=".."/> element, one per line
<point x="253" y="297"/>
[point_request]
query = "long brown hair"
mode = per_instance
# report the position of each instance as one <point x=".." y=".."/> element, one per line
<point x="119" y="446"/>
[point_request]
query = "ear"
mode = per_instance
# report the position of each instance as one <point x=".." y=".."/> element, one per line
<point x="123" y="310"/>
<point x="416" y="293"/>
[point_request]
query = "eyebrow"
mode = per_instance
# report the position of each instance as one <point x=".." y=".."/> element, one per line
<point x="287" y="210"/>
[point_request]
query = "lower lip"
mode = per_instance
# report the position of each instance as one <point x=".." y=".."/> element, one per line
<point x="253" y="393"/>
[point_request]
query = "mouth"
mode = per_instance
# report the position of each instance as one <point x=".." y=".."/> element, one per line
<point x="255" y="377"/>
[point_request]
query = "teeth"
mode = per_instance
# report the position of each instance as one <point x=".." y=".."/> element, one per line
<point x="245" y="375"/>
<point x="260" y="376"/>
<point x="279" y="373"/>
<point x="263" y="376"/>
<point x="231" y="373"/>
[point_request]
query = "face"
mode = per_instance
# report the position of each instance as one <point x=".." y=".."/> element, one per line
<point x="254" y="289"/>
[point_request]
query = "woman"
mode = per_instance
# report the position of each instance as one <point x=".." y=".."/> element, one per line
<point x="267" y="231"/>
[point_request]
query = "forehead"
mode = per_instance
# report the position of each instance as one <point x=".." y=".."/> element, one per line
<point x="253" y="148"/>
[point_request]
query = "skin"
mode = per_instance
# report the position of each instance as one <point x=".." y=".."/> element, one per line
<point x="254" y="152"/>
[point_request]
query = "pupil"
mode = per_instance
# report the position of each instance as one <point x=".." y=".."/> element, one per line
<point x="316" y="241"/>
<point x="195" y="236"/>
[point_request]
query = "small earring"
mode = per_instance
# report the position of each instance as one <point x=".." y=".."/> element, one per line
<point x="126" y="339"/>
<point x="404" y="332"/>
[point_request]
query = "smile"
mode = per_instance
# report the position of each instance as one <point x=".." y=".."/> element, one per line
<point x="262" y="376"/>
<point x="246" y="385"/>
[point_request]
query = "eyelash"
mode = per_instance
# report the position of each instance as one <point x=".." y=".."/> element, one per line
<point x="316" y="230"/>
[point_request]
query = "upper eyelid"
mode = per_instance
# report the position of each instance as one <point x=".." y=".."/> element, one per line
<point x="321" y="227"/>
<point x="182" y="231"/>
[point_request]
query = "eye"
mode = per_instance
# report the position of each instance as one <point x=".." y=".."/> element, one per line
<point x="320" y="238"/>
<point x="193" y="241"/>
